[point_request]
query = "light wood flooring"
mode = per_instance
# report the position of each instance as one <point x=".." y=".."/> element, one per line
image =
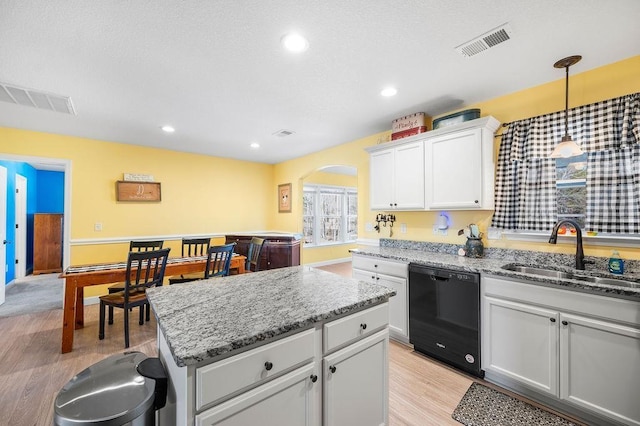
<point x="32" y="369"/>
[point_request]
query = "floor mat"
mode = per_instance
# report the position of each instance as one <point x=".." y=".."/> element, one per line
<point x="483" y="406"/>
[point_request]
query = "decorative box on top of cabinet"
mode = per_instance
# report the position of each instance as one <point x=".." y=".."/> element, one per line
<point x="279" y="250"/>
<point x="47" y="243"/>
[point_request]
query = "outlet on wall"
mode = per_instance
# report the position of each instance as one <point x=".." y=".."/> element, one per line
<point x="97" y="227"/>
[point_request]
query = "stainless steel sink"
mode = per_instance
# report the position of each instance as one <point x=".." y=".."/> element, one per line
<point x="545" y="272"/>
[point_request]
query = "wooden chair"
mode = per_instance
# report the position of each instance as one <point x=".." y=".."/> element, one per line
<point x="253" y="254"/>
<point x="192" y="247"/>
<point x="144" y="269"/>
<point x="135" y="246"/>
<point x="219" y="261"/>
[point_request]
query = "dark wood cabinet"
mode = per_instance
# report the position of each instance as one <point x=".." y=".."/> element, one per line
<point x="279" y="251"/>
<point x="47" y="243"/>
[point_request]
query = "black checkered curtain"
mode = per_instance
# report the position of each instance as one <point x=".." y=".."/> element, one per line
<point x="526" y="179"/>
<point x="613" y="166"/>
<point x="525" y="190"/>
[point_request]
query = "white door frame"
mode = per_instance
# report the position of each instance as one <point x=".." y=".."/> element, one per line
<point x="65" y="166"/>
<point x="21" y="227"/>
<point x="3" y="231"/>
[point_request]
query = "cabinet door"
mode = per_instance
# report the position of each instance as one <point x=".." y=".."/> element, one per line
<point x="409" y="176"/>
<point x="398" y="316"/>
<point x="286" y="401"/>
<point x="521" y="342"/>
<point x="600" y="367"/>
<point x="381" y="168"/>
<point x="356" y="383"/>
<point x="454" y="170"/>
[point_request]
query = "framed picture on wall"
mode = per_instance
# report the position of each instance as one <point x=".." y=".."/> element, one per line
<point x="284" y="198"/>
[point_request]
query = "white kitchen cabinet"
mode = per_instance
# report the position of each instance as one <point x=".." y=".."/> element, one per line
<point x="600" y="367"/>
<point x="521" y="342"/>
<point x="356" y="383"/>
<point x="397" y="176"/>
<point x="291" y="395"/>
<point x="392" y="274"/>
<point x="580" y="350"/>
<point x="289" y="382"/>
<point x="459" y="166"/>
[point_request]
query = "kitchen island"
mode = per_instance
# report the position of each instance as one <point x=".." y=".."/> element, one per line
<point x="311" y="343"/>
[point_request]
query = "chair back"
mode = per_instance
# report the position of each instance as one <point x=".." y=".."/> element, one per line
<point x="144" y="269"/>
<point x="145" y="245"/>
<point x="195" y="246"/>
<point x="253" y="255"/>
<point x="219" y="260"/>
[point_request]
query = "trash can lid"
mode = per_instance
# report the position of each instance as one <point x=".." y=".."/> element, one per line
<point x="110" y="392"/>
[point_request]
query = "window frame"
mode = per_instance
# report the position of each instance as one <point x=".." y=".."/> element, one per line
<point x="344" y="192"/>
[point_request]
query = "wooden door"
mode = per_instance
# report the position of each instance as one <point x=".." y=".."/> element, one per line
<point x="47" y="243"/>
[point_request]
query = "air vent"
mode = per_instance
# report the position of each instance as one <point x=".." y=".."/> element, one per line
<point x="485" y="41"/>
<point x="283" y="133"/>
<point x="36" y="99"/>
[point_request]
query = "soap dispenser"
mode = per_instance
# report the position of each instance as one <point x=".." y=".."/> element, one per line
<point x="616" y="264"/>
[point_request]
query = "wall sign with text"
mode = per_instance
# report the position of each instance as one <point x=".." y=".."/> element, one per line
<point x="137" y="191"/>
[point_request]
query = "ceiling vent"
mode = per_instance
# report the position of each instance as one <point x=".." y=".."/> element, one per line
<point x="283" y="133"/>
<point x="485" y="41"/>
<point x="36" y="99"/>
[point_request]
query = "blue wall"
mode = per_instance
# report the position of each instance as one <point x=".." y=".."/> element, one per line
<point x="45" y="194"/>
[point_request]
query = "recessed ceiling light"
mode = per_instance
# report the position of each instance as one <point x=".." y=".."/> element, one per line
<point x="168" y="129"/>
<point x="294" y="42"/>
<point x="388" y="91"/>
<point x="255" y="145"/>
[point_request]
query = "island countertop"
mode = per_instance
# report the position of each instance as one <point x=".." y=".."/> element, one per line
<point x="202" y="320"/>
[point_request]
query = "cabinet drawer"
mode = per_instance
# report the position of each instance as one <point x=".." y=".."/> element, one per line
<point x="387" y="267"/>
<point x="218" y="380"/>
<point x="348" y="329"/>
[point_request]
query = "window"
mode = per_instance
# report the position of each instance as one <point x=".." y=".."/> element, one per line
<point x="571" y="184"/>
<point x="329" y="214"/>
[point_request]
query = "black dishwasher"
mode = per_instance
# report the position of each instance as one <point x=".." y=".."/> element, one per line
<point x="444" y="316"/>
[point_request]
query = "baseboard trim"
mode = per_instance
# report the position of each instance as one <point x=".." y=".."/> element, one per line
<point x="329" y="262"/>
<point x="94" y="300"/>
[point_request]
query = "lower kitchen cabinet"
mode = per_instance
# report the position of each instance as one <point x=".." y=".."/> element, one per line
<point x="355" y="386"/>
<point x="600" y="366"/>
<point x="521" y="342"/>
<point x="291" y="395"/>
<point x="333" y="374"/>
<point x="394" y="275"/>
<point x="575" y="351"/>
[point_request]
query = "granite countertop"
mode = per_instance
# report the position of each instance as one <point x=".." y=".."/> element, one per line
<point x="440" y="255"/>
<point x="202" y="320"/>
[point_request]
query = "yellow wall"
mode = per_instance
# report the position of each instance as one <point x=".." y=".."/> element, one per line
<point x="200" y="194"/>
<point x="606" y="82"/>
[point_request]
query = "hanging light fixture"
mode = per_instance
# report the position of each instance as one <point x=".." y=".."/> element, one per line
<point x="567" y="147"/>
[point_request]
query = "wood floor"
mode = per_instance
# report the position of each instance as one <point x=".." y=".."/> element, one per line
<point x="32" y="369"/>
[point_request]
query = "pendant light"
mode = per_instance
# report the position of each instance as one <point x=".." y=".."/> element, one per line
<point x="567" y="147"/>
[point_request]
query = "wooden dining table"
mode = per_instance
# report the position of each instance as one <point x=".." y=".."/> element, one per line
<point x="78" y="277"/>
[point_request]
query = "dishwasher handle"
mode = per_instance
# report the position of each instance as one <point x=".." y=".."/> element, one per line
<point x="440" y="274"/>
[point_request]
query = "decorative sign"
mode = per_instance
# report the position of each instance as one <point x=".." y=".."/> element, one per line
<point x="284" y="198"/>
<point x="137" y="177"/>
<point x="137" y="191"/>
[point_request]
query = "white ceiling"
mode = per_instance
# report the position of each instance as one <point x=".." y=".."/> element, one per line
<point x="215" y="70"/>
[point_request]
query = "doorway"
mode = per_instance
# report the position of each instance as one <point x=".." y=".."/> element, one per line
<point x="50" y="164"/>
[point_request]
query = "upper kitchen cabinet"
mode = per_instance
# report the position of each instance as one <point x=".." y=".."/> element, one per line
<point x="397" y="176"/>
<point x="459" y="166"/>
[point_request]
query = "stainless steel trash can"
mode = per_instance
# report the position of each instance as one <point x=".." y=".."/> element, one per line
<point x="123" y="389"/>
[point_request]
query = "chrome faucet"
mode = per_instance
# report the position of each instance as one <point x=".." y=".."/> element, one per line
<point x="579" y="251"/>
